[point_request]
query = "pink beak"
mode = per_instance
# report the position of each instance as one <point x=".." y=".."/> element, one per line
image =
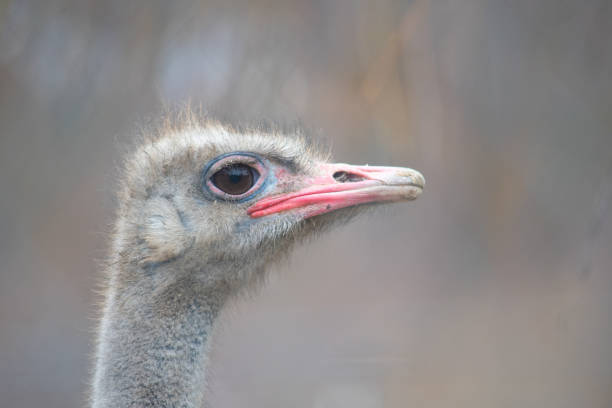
<point x="344" y="185"/>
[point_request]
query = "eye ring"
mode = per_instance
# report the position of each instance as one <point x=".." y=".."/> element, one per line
<point x="229" y="170"/>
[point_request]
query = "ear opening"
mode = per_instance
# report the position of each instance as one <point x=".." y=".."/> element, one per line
<point x="164" y="231"/>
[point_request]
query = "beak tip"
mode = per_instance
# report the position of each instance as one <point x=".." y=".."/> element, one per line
<point x="420" y="180"/>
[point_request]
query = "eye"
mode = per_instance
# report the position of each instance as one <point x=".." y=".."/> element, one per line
<point x="235" y="176"/>
<point x="235" y="179"/>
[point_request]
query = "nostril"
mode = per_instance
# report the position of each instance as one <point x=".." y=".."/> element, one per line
<point x="346" y="177"/>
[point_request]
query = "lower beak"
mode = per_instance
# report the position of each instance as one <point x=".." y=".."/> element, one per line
<point x="344" y="185"/>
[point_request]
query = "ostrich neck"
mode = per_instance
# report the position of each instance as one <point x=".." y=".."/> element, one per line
<point x="154" y="338"/>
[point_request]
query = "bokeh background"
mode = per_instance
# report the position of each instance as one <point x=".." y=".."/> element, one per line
<point x="491" y="290"/>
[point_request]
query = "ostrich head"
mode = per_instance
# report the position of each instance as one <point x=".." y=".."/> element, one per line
<point x="203" y="209"/>
<point x="210" y="199"/>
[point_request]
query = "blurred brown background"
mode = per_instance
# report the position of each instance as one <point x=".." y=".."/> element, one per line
<point x="491" y="290"/>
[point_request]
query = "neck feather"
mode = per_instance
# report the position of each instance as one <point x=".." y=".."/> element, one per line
<point x="154" y="338"/>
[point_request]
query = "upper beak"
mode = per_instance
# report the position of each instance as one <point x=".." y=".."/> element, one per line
<point x="343" y="185"/>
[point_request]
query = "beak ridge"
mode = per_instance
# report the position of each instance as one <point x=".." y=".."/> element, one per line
<point x="386" y="175"/>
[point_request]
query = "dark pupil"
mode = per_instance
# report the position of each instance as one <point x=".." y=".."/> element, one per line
<point x="235" y="179"/>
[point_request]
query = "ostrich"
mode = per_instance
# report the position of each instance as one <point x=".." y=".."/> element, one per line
<point x="204" y="208"/>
